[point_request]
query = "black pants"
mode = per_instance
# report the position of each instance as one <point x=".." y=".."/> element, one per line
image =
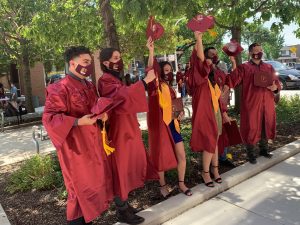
<point x="120" y="205"/>
<point x="263" y="143"/>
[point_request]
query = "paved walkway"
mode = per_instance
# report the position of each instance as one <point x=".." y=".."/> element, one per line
<point x="17" y="145"/>
<point x="269" y="198"/>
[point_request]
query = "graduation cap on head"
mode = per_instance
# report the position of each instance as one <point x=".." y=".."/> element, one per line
<point x="233" y="48"/>
<point x="154" y="29"/>
<point x="201" y="23"/>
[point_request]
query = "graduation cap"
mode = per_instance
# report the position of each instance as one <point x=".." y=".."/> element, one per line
<point x="233" y="48"/>
<point x="104" y="105"/>
<point x="154" y="29"/>
<point x="233" y="133"/>
<point x="201" y="23"/>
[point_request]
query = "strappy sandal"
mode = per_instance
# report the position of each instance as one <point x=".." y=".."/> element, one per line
<point x="219" y="179"/>
<point x="187" y="192"/>
<point x="208" y="184"/>
<point x="165" y="190"/>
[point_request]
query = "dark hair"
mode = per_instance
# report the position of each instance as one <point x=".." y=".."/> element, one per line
<point x="207" y="49"/>
<point x="162" y="65"/>
<point x="105" y="55"/>
<point x="253" y="45"/>
<point x="75" y="51"/>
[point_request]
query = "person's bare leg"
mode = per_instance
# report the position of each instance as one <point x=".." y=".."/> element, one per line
<point x="206" y="160"/>
<point x="164" y="190"/>
<point x="181" y="167"/>
<point x="215" y="164"/>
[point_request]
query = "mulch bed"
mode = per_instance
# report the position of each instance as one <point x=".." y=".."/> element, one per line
<point x="45" y="208"/>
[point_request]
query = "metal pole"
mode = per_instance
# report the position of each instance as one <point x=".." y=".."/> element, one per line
<point x="34" y="128"/>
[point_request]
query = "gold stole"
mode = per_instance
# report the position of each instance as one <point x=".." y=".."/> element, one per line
<point x="165" y="103"/>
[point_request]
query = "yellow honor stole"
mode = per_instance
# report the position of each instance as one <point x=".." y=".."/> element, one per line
<point x="215" y="95"/>
<point x="165" y="103"/>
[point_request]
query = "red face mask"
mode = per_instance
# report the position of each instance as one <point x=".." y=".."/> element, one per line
<point x="215" y="59"/>
<point x="119" y="64"/>
<point x="84" y="70"/>
<point x="257" y="56"/>
<point x="168" y="77"/>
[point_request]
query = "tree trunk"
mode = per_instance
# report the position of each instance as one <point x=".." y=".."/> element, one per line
<point x="109" y="24"/>
<point x="26" y="76"/>
<point x="237" y="35"/>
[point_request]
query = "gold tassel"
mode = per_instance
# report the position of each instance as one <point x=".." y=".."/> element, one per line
<point x="212" y="33"/>
<point x="108" y="150"/>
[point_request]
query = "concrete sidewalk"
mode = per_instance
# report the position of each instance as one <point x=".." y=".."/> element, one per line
<point x="281" y="182"/>
<point x="269" y="198"/>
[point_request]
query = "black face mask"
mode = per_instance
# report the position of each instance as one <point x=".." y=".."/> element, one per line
<point x="115" y="73"/>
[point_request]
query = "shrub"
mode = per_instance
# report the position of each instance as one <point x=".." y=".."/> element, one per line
<point x="288" y="109"/>
<point x="38" y="172"/>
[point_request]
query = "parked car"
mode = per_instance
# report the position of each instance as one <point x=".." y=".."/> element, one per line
<point x="55" y="78"/>
<point x="290" y="78"/>
<point x="297" y="66"/>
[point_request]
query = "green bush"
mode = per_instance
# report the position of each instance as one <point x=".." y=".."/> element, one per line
<point x="288" y="109"/>
<point x="38" y="172"/>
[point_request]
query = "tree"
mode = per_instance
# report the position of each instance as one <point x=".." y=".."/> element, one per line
<point x="15" y="18"/>
<point x="272" y="41"/>
<point x="110" y="29"/>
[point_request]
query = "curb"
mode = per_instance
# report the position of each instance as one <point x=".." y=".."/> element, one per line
<point x="3" y="217"/>
<point x="180" y="203"/>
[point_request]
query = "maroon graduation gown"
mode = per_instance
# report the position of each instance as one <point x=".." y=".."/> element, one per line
<point x="204" y="126"/>
<point x="256" y="102"/>
<point x="161" y="143"/>
<point x="84" y="165"/>
<point x="179" y="76"/>
<point x="223" y="141"/>
<point x="129" y="162"/>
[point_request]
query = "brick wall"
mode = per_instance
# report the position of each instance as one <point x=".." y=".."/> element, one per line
<point x="38" y="82"/>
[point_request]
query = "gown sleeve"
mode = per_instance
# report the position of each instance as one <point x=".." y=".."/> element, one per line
<point x="236" y="76"/>
<point x="55" y="117"/>
<point x="133" y="97"/>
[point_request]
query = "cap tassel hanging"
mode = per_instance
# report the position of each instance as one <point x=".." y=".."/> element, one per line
<point x="212" y="33"/>
<point x="108" y="150"/>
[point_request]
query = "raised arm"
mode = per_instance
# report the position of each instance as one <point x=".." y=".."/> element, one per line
<point x="199" y="46"/>
<point x="150" y="46"/>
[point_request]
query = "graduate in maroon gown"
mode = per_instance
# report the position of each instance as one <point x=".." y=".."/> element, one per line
<point x="165" y="141"/>
<point x="129" y="161"/>
<point x="69" y="123"/>
<point x="180" y="80"/>
<point x="207" y="111"/>
<point x="258" y="115"/>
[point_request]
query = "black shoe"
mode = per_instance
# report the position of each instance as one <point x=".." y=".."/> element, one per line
<point x="252" y="160"/>
<point x="251" y="155"/>
<point x="227" y="163"/>
<point x="266" y="154"/>
<point x="79" y="221"/>
<point x="126" y="216"/>
<point x="134" y="210"/>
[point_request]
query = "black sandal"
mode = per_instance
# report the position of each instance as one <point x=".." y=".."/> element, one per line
<point x="219" y="179"/>
<point x="208" y="184"/>
<point x="188" y="191"/>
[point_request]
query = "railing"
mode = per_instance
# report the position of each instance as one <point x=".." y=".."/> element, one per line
<point x="39" y="132"/>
